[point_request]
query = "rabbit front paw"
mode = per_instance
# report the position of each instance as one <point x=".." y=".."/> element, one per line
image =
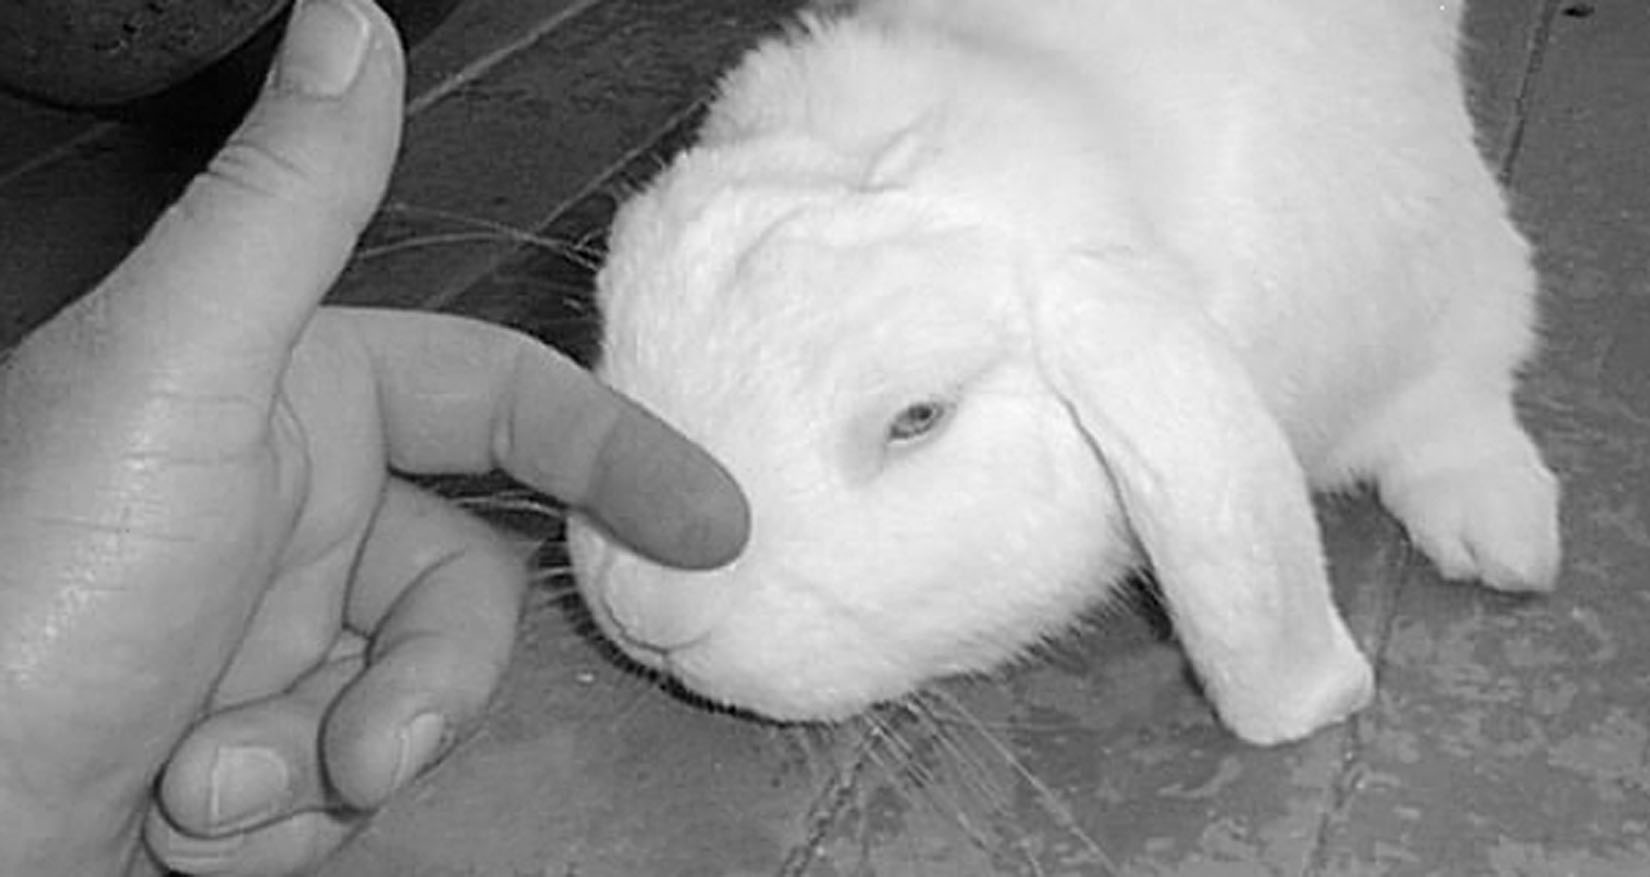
<point x="1496" y="521"/>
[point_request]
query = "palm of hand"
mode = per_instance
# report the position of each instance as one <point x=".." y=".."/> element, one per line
<point x="211" y="574"/>
<point x="257" y="547"/>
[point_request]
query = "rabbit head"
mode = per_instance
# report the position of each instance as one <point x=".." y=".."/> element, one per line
<point x="922" y="503"/>
<point x="954" y="439"/>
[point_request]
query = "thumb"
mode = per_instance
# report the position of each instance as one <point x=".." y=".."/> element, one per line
<point x="219" y="291"/>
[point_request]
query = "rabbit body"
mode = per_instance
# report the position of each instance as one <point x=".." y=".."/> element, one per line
<point x="987" y="302"/>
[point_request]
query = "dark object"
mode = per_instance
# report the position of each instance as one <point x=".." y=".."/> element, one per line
<point x="104" y="53"/>
<point x="190" y="65"/>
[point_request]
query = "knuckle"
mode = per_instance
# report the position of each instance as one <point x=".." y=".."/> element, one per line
<point x="248" y="165"/>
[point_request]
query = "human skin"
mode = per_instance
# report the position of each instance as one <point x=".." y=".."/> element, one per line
<point x="229" y="627"/>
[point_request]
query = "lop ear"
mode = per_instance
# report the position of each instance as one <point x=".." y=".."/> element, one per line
<point x="1211" y="489"/>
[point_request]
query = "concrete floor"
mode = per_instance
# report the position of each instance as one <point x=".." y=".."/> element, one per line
<point x="1510" y="737"/>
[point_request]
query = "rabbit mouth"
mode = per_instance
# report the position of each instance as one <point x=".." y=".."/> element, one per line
<point x="769" y="668"/>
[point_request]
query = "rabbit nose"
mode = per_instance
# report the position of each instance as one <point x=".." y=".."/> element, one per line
<point x="665" y="609"/>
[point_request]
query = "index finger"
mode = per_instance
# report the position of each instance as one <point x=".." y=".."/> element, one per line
<point x="460" y="395"/>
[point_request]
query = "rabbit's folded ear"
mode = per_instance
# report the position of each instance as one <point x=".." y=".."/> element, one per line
<point x="1211" y="489"/>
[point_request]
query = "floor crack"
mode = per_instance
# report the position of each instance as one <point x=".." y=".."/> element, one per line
<point x="1535" y="54"/>
<point x="827" y="810"/>
<point x="1358" y="730"/>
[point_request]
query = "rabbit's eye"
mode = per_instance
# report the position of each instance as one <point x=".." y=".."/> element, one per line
<point x="917" y="420"/>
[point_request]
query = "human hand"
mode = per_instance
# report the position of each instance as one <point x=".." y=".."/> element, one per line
<point x="225" y="624"/>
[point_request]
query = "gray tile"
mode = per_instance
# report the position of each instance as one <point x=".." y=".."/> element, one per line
<point x="28" y="131"/>
<point x="65" y="222"/>
<point x="531" y="136"/>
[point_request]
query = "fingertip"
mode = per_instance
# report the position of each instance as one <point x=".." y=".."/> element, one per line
<point x="332" y="105"/>
<point x="184" y="787"/>
<point x="325" y="46"/>
<point x="330" y="112"/>
<point x="713" y="537"/>
<point x="213" y="791"/>
<point x="264" y="231"/>
<point x="378" y="742"/>
<point x="296" y="844"/>
<point x="666" y="497"/>
<point x="403" y="717"/>
<point x="552" y="425"/>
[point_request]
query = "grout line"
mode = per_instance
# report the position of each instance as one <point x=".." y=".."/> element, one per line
<point x="442" y="298"/>
<point x="479" y="66"/>
<point x="1355" y="735"/>
<point x="612" y="171"/>
<point x="1344" y="788"/>
<point x="465" y="75"/>
<point x="615" y="168"/>
<point x="828" y="809"/>
<point x="60" y="151"/>
<point x="1536" y="49"/>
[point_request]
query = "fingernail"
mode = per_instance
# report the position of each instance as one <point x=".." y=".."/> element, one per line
<point x="417" y="743"/>
<point x="326" y="42"/>
<point x="248" y="785"/>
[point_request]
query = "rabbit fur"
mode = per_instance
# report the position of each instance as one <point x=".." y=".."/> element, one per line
<point x="987" y="303"/>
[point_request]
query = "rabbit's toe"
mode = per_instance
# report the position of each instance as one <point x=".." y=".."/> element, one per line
<point x="1495" y="523"/>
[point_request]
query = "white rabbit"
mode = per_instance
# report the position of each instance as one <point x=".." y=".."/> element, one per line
<point x="988" y="302"/>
